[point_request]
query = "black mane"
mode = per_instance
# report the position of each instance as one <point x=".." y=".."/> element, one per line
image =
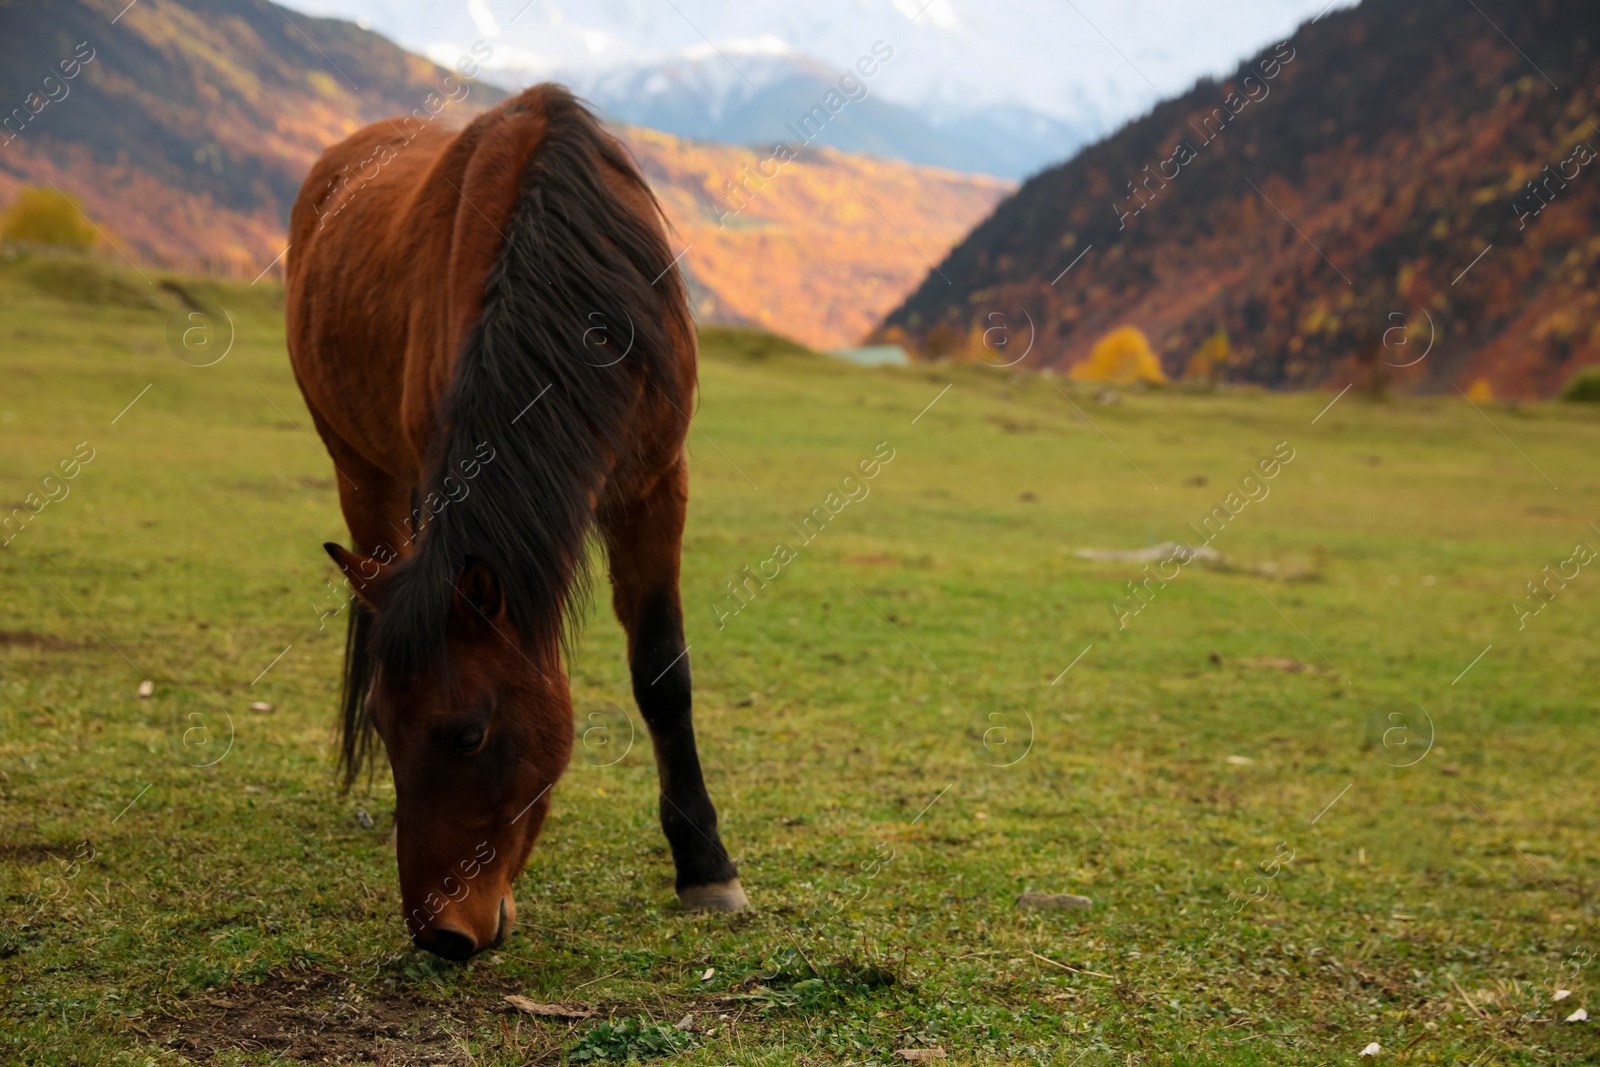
<point x="578" y="275"/>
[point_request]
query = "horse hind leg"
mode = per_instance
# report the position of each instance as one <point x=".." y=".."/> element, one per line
<point x="643" y="540"/>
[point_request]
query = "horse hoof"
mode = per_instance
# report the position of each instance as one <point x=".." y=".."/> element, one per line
<point x="718" y="896"/>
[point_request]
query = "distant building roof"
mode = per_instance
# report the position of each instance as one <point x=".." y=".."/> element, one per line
<point x="874" y="355"/>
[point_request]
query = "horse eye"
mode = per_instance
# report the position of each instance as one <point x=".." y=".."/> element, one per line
<point x="468" y="741"/>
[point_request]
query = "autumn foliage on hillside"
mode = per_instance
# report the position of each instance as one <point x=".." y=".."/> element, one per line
<point x="821" y="250"/>
<point x="1324" y="210"/>
<point x="185" y="128"/>
<point x="187" y="131"/>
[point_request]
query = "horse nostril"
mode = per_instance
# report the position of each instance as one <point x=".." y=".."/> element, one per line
<point x="447" y="943"/>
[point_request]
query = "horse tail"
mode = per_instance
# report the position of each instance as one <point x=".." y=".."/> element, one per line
<point x="357" y="739"/>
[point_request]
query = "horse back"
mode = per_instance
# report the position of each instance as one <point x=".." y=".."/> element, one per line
<point x="392" y="241"/>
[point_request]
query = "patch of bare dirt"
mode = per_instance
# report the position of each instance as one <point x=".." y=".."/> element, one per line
<point x="25" y="639"/>
<point x="1278" y="663"/>
<point x="20" y="852"/>
<point x="320" y="1017"/>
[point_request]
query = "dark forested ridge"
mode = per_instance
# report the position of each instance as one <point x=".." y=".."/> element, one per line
<point x="1330" y="191"/>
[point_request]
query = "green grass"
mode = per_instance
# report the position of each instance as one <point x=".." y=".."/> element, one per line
<point x="864" y="723"/>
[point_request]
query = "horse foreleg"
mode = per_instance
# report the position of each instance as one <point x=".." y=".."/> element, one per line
<point x="643" y="539"/>
<point x="372" y="500"/>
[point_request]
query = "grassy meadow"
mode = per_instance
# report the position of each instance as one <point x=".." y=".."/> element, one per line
<point x="1326" y="790"/>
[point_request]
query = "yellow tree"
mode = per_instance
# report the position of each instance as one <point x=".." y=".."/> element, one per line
<point x="41" y="216"/>
<point x="1212" y="354"/>
<point x="1122" y="357"/>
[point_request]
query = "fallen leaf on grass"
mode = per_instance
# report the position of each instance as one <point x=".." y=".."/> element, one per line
<point x="1562" y="994"/>
<point x="1240" y="761"/>
<point x="549" y="1011"/>
<point x="1578" y="1016"/>
<point x="1371" y="1050"/>
<point x="921" y="1053"/>
<point x="904" y="832"/>
<point x="262" y="706"/>
<point x="707" y="976"/>
<point x="147" y="688"/>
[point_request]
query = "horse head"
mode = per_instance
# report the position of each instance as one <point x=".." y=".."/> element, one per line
<point x="476" y="738"/>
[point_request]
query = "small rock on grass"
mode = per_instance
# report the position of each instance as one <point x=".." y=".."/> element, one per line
<point x="549" y="1011"/>
<point x="1053" y="902"/>
<point x="1371" y="1050"/>
<point x="686" y="1023"/>
<point x="262" y="706"/>
<point x="364" y="819"/>
<point x="147" y="688"/>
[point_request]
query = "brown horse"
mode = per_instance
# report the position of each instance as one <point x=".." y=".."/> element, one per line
<point x="494" y="343"/>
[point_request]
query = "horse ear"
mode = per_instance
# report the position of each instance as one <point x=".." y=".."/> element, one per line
<point x="360" y="570"/>
<point x="478" y="590"/>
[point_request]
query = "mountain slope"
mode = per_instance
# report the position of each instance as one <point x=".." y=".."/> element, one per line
<point x="187" y="126"/>
<point x="192" y="125"/>
<point x="1342" y="185"/>
<point x="818" y="251"/>
<point x="695" y="98"/>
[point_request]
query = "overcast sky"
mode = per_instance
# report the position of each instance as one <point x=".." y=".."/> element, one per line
<point x="1074" y="59"/>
